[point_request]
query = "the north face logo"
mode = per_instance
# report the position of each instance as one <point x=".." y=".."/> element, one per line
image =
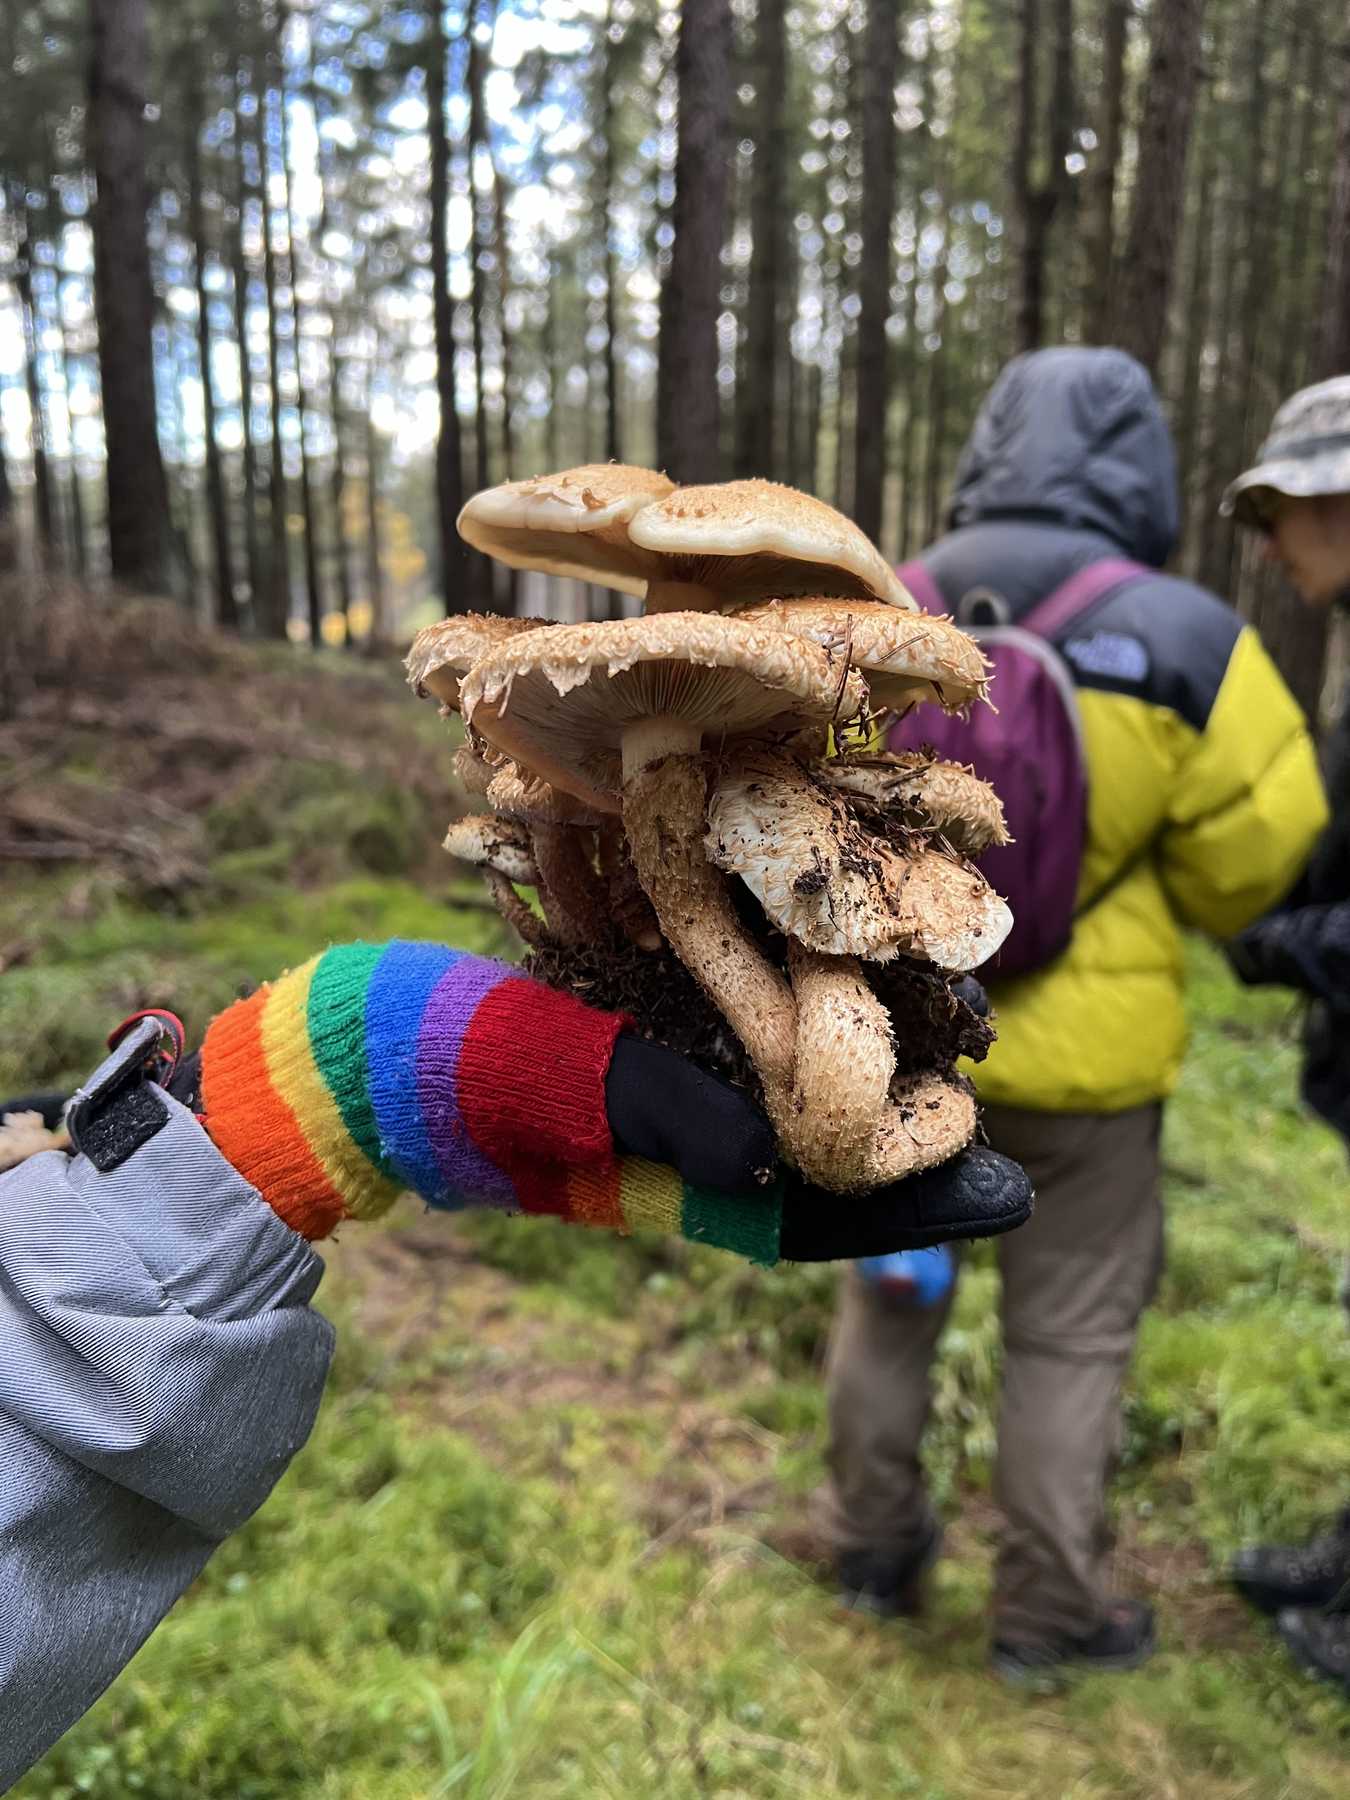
<point x="1109" y="653"/>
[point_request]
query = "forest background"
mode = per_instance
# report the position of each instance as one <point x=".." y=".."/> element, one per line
<point x="279" y="286"/>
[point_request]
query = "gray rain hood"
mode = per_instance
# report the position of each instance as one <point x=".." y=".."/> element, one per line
<point x="1075" y="438"/>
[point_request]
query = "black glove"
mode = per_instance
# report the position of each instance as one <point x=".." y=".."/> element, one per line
<point x="666" y="1109"/>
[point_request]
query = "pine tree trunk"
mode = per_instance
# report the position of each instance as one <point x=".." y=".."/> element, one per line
<point x="337" y="486"/>
<point x="607" y="227"/>
<point x="880" y="144"/>
<point x="277" y="622"/>
<point x="381" y="633"/>
<point x="313" y="583"/>
<point x="1293" y="338"/>
<point x="1099" y="235"/>
<point x="138" y="501"/>
<point x="1140" y="321"/>
<point x="689" y="407"/>
<point x="756" y="419"/>
<point x="478" y="302"/>
<point x="258" y="602"/>
<point x="937" y="397"/>
<point x="553" y="423"/>
<point x="449" y="450"/>
<point x="1333" y="351"/>
<point x="1038" y="202"/>
<point x="227" y="612"/>
<point x="44" y="510"/>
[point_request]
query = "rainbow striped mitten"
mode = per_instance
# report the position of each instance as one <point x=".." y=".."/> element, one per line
<point x="376" y="1068"/>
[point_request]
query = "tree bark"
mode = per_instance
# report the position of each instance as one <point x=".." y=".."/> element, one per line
<point x="1038" y="201"/>
<point x="248" y="453"/>
<point x="689" y="406"/>
<point x="757" y="436"/>
<point x="1099" y="234"/>
<point x="1333" y="350"/>
<point x="449" y="449"/>
<point x="227" y="612"/>
<point x="138" y="500"/>
<point x="380" y="632"/>
<point x="880" y="142"/>
<point x="1140" y="321"/>
<point x="44" y="510"/>
<point x="313" y="583"/>
<point x="478" y="250"/>
<point x="279" y="551"/>
<point x="605" y="212"/>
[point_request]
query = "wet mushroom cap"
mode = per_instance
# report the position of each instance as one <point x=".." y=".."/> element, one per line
<point x="825" y="880"/>
<point x="923" y="794"/>
<point x="443" y="653"/>
<point x="751" y="539"/>
<point x="905" y="656"/>
<point x="563" y="702"/>
<point x="489" y="842"/>
<point x="574" y="523"/>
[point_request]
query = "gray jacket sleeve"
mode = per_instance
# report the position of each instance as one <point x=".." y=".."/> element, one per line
<point x="159" y="1367"/>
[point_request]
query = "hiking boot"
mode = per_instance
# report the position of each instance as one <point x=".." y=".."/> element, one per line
<point x="1124" y="1640"/>
<point x="1319" y="1642"/>
<point x="1275" y="1576"/>
<point x="876" y="1582"/>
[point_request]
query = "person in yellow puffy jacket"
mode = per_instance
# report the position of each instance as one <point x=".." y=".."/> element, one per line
<point x="1204" y="801"/>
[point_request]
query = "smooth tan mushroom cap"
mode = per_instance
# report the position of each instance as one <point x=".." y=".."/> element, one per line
<point x="562" y="702"/>
<point x="834" y="886"/>
<point x="905" y="657"/>
<point x="492" y="843"/>
<point x="572" y="523"/>
<point x="751" y="539"/>
<point x="442" y="654"/>
<point x="924" y="794"/>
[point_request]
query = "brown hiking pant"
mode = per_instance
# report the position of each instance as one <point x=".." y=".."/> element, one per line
<point x="1075" y="1280"/>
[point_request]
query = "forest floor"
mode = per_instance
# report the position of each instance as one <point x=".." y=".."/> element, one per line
<point x="529" y="1550"/>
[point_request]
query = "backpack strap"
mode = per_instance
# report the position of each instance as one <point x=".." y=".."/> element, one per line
<point x="1058" y="610"/>
<point x="1072" y="598"/>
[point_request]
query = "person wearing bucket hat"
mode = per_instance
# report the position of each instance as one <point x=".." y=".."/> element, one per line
<point x="1298" y="495"/>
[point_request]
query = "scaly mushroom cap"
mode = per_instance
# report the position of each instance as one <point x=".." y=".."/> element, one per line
<point x="514" y="794"/>
<point x="492" y="843"/>
<point x="825" y="880"/>
<point x="929" y="1120"/>
<point x="906" y="657"/>
<point x="572" y="523"/>
<point x="563" y="702"/>
<point x="442" y="654"/>
<point x="750" y="539"/>
<point x="923" y="794"/>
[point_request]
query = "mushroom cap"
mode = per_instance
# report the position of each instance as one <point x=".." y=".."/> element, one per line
<point x="489" y="842"/>
<point x="513" y="793"/>
<point x="561" y="701"/>
<point x="751" y="539"/>
<point x="905" y="656"/>
<point x="825" y="880"/>
<point x="572" y="523"/>
<point x="924" y="793"/>
<point x="929" y="1120"/>
<point x="472" y="770"/>
<point x="442" y="654"/>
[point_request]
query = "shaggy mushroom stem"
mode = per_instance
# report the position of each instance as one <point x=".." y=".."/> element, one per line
<point x="844" y="1065"/>
<point x="629" y="906"/>
<point x="681" y="596"/>
<point x="664" y="805"/>
<point x="514" y="911"/>
<point x="570" y="891"/>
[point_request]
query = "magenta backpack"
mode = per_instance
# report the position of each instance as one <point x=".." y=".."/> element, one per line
<point x="1031" y="750"/>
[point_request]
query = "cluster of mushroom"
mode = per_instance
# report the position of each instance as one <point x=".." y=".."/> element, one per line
<point x="632" y="767"/>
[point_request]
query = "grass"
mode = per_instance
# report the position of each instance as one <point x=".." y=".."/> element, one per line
<point x="524" y="1553"/>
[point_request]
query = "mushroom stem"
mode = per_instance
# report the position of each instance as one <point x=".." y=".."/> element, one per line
<point x="629" y="906"/>
<point x="569" y="888"/>
<point x="663" y="815"/>
<point x="647" y="740"/>
<point x="514" y="910"/>
<point x="681" y="596"/>
<point x="844" y="1065"/>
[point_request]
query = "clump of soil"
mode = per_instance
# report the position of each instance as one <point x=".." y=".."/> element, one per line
<point x="656" y="990"/>
<point x="933" y="1026"/>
